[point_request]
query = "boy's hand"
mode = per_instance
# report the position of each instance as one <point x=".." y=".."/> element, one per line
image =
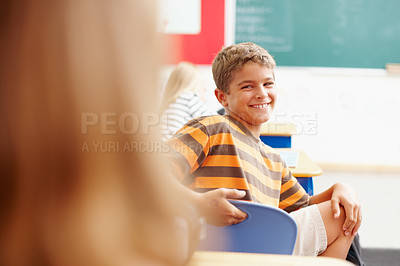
<point x="217" y="210"/>
<point x="344" y="195"/>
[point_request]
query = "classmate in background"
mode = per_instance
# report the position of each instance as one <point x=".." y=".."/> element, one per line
<point x="65" y="66"/>
<point x="181" y="100"/>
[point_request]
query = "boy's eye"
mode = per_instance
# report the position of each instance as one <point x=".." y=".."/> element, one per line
<point x="246" y="87"/>
<point x="269" y="84"/>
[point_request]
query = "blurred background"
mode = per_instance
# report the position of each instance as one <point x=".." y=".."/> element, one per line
<point x="337" y="80"/>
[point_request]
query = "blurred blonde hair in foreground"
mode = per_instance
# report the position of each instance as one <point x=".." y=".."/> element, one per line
<point x="61" y="205"/>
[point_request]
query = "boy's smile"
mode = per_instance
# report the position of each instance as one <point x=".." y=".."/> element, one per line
<point x="251" y="97"/>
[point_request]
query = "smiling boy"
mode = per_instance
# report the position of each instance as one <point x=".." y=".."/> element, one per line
<point x="222" y="157"/>
<point x="250" y="97"/>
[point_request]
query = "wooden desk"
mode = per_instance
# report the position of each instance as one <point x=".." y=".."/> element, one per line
<point x="278" y="135"/>
<point x="304" y="170"/>
<point x="210" y="258"/>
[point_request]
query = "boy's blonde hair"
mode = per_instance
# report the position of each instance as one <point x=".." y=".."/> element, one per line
<point x="233" y="58"/>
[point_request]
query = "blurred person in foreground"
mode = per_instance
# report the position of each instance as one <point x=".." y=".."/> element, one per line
<point x="71" y="71"/>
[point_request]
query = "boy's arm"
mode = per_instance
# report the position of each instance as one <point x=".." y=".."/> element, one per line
<point x="292" y="194"/>
<point x="342" y="195"/>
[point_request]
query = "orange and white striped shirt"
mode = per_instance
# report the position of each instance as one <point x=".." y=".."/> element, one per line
<point x="219" y="152"/>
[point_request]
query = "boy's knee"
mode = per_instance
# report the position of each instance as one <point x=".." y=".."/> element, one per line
<point x="342" y="215"/>
<point x="331" y="223"/>
<point x="327" y="213"/>
<point x="333" y="226"/>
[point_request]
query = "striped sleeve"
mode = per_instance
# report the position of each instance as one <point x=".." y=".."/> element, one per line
<point x="292" y="196"/>
<point x="188" y="150"/>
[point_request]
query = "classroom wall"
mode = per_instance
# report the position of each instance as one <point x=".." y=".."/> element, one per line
<point x="357" y="114"/>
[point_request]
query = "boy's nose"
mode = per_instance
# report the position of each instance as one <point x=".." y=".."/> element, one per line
<point x="262" y="93"/>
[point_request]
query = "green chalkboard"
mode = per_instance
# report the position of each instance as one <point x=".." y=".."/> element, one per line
<point x="326" y="33"/>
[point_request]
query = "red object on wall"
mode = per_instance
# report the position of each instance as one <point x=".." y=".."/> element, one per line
<point x="200" y="48"/>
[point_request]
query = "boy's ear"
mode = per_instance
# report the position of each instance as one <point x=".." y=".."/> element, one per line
<point x="221" y="97"/>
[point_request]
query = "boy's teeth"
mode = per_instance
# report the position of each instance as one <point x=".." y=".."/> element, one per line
<point x="260" y="106"/>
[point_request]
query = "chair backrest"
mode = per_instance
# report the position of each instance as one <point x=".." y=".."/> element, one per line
<point x="266" y="229"/>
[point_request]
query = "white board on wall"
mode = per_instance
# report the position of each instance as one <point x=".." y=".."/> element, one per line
<point x="357" y="115"/>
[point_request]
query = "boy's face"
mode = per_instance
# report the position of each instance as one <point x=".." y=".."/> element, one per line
<point x="252" y="94"/>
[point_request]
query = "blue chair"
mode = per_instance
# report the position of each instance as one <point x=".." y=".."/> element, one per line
<point x="266" y="229"/>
